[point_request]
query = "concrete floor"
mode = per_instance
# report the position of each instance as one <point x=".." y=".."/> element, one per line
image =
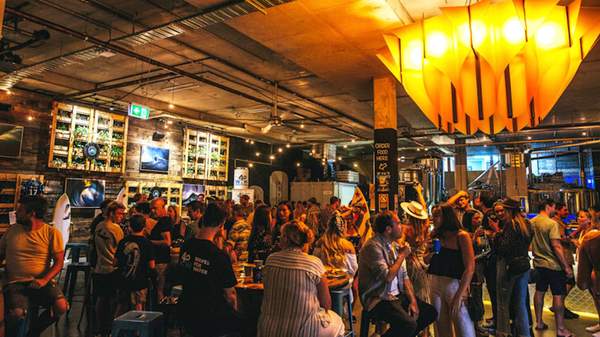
<point x="67" y="327"/>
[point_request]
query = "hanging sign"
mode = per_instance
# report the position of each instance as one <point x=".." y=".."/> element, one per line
<point x="386" y="169"/>
<point x="139" y="111"/>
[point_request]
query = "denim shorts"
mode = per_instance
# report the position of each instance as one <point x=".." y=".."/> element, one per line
<point x="20" y="295"/>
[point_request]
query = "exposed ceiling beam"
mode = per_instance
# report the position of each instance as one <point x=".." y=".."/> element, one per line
<point x="282" y="88"/>
<point x="128" y="52"/>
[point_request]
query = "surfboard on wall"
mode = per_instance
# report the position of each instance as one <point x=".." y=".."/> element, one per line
<point x="62" y="217"/>
<point x="121" y="196"/>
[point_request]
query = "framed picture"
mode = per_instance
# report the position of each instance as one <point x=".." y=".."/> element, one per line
<point x="191" y="193"/>
<point x="154" y="159"/>
<point x="11" y="138"/>
<point x="85" y="193"/>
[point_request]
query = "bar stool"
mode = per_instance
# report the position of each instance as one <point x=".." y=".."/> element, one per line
<point x="75" y="249"/>
<point x="71" y="279"/>
<point x="146" y="323"/>
<point x="365" y="323"/>
<point x="338" y="297"/>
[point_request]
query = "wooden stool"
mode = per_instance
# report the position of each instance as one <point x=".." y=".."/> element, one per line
<point x="145" y="323"/>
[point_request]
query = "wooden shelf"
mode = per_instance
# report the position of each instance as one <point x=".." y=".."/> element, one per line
<point x="170" y="190"/>
<point x="96" y="123"/>
<point x="199" y="147"/>
<point x="10" y="189"/>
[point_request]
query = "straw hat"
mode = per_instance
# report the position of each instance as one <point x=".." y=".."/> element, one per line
<point x="510" y="203"/>
<point x="414" y="209"/>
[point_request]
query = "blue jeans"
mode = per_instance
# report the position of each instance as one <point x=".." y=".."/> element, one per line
<point x="512" y="300"/>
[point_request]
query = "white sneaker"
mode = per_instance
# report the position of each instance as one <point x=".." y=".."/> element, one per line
<point x="593" y="328"/>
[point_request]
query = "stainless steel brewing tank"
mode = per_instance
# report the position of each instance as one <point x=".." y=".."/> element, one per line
<point x="426" y="170"/>
<point x="578" y="198"/>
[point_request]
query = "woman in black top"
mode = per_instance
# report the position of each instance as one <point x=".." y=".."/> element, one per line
<point x="451" y="271"/>
<point x="284" y="215"/>
<point x="512" y="277"/>
<point x="259" y="243"/>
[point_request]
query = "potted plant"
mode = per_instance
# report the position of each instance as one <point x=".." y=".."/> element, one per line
<point x="80" y="131"/>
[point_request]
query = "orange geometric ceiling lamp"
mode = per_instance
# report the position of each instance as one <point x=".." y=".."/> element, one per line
<point x="493" y="65"/>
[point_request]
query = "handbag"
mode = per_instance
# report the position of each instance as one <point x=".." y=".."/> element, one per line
<point x="518" y="265"/>
<point x="475" y="302"/>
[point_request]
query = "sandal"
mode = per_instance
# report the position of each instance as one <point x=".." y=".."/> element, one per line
<point x="544" y="327"/>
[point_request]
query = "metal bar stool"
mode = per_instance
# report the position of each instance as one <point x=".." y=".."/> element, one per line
<point x="145" y="323"/>
<point x="338" y="297"/>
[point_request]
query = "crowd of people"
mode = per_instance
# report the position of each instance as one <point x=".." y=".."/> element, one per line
<point x="411" y="269"/>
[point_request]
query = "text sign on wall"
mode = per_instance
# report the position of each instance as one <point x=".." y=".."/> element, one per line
<point x="386" y="169"/>
<point x="139" y="111"/>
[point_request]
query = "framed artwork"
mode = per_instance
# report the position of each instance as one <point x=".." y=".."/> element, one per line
<point x="154" y="159"/>
<point x="192" y="192"/>
<point x="85" y="193"/>
<point x="11" y="138"/>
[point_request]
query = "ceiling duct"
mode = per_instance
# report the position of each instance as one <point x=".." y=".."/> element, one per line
<point x="210" y="16"/>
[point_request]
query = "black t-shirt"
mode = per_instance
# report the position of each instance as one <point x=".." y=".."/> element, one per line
<point x="133" y="255"/>
<point x="162" y="252"/>
<point x="206" y="271"/>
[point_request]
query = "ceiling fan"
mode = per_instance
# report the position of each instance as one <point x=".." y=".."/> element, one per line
<point x="275" y="119"/>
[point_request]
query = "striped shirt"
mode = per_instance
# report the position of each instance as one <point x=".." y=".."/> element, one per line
<point x="290" y="304"/>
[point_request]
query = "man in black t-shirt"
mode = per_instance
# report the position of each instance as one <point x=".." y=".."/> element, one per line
<point x="208" y="304"/>
<point x="135" y="265"/>
<point x="160" y="236"/>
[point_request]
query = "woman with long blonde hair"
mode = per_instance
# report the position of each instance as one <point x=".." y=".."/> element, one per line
<point x="334" y="250"/>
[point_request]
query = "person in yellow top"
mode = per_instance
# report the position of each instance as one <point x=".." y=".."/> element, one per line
<point x="34" y="256"/>
<point x="240" y="233"/>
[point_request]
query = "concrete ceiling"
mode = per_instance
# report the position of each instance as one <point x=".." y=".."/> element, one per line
<point x="320" y="53"/>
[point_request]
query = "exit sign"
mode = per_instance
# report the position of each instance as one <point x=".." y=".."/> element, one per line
<point x="139" y="111"/>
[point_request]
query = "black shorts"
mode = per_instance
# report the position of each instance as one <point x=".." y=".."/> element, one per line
<point x="104" y="285"/>
<point x="557" y="280"/>
<point x="19" y="295"/>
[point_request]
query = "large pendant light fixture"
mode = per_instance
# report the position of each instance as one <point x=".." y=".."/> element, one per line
<point x="493" y="65"/>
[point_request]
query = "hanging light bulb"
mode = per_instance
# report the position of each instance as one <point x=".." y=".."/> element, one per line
<point x="279" y="150"/>
<point x="287" y="145"/>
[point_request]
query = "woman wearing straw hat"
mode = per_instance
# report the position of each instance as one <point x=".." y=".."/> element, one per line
<point x="416" y="231"/>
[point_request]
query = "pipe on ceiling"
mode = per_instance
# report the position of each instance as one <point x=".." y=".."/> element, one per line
<point x="234" y="130"/>
<point x="589" y="142"/>
<point x="129" y="53"/>
<point x="235" y="67"/>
